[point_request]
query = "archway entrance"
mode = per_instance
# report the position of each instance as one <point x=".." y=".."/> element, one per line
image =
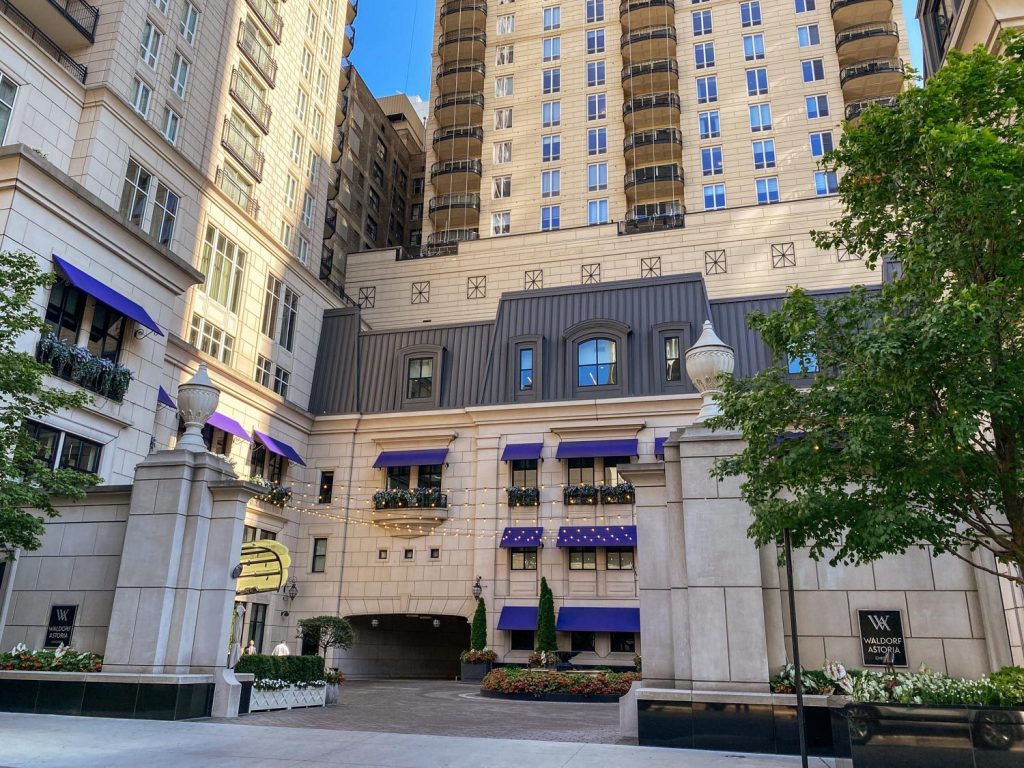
<point x="406" y="645"/>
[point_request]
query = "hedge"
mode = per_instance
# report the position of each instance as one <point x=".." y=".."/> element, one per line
<point x="291" y="669"/>
<point x="513" y="680"/>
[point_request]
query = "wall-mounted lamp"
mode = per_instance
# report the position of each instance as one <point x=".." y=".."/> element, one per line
<point x="478" y="588"/>
<point x="375" y="623"/>
<point x="290" y="591"/>
<point x="437" y="623"/>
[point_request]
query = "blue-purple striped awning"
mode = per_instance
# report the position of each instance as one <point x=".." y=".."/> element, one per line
<point x="520" y="451"/>
<point x="659" y="446"/>
<point x="229" y="425"/>
<point x="598" y="620"/>
<point x="518" y="617"/>
<point x="110" y="297"/>
<point x="165" y="399"/>
<point x="279" y="447"/>
<point x="521" y="537"/>
<point x="410" y="458"/>
<point x="589" y="449"/>
<point x="597" y="536"/>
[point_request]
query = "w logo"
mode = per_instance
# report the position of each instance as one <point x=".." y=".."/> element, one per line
<point x="879" y="622"/>
<point x="63" y="614"/>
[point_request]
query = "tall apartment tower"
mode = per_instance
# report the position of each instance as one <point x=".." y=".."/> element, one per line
<point x="948" y="25"/>
<point x="552" y="115"/>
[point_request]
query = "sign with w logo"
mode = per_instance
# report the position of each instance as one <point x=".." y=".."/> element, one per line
<point x="61" y="626"/>
<point x="882" y="641"/>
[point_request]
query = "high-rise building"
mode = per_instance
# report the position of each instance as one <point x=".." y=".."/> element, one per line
<point x="960" y="25"/>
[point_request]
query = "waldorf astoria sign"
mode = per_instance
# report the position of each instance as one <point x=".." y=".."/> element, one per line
<point x="61" y="626"/>
<point x="881" y="636"/>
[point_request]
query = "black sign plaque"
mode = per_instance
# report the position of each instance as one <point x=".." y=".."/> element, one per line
<point x="61" y="626"/>
<point x="881" y="637"/>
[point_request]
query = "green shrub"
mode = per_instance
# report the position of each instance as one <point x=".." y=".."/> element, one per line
<point x="291" y="669"/>
<point x="546" y="640"/>
<point x="478" y="638"/>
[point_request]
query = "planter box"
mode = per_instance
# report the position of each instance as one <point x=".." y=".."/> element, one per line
<point x="883" y="735"/>
<point x="287" y="698"/>
<point x="474" y="673"/>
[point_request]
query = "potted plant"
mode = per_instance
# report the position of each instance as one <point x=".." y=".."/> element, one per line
<point x="477" y="661"/>
<point x="334" y="679"/>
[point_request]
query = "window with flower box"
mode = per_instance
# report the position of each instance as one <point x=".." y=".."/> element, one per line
<point x="411" y="486"/>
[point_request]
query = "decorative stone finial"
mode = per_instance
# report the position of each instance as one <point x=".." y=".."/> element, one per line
<point x="197" y="400"/>
<point x="706" y="362"/>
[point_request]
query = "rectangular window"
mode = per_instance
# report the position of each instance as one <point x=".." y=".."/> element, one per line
<point x="504" y="54"/>
<point x="501" y="222"/>
<point x="673" y="369"/>
<point x="767" y="190"/>
<point x="301" y="105"/>
<point x="281" y="381"/>
<point x="506" y="24"/>
<point x="62" y="450"/>
<point x="551" y="80"/>
<point x="257" y="624"/>
<point x="817" y="106"/>
<point x="595" y="11"/>
<point x="619" y="559"/>
<point x="825" y="183"/>
<point x="398" y="478"/>
<point x="407" y="554"/>
<point x="141" y="95"/>
<point x="821" y="143"/>
<point x="552" y="48"/>
<point x="64" y="311"/>
<point x="803" y="6"/>
<point x="135" y="193"/>
<point x="222" y="262"/>
<point x="296" y="147"/>
<point x="189" y="23"/>
<point x="757" y="81"/>
<point x="289" y="318"/>
<point x="319" y="564"/>
<point x="552" y="17"/>
<point x="764" y="154"/>
<point x="808" y="35"/>
<point x="420" y="378"/>
<point x="211" y="339"/>
<point x="704" y="55"/>
<point x="149" y="46"/>
<point x="597" y="177"/>
<point x="503" y="86"/>
<point x="550" y="217"/>
<point x="581" y="471"/>
<point x="502" y="187"/>
<point x="551" y="113"/>
<point x="622" y="642"/>
<point x="711" y="161"/>
<point x="428" y="476"/>
<point x="302" y="251"/>
<point x="707" y="89"/>
<point x="326" y="491"/>
<point x="523" y="559"/>
<point x="382" y="554"/>
<point x="312" y="22"/>
<point x="521" y="640"/>
<point x="307" y="209"/>
<point x="597" y="141"/>
<point x="597" y="106"/>
<point x="179" y="74"/>
<point x="582" y="558"/>
<point x="8" y="90"/>
<point x="812" y="70"/>
<point x="597" y="212"/>
<point x="291" y="186"/>
<point x="701" y="23"/>
<point x="551" y="148"/>
<point x="307" y="63"/>
<point x="503" y="152"/>
<point x="750" y="14"/>
<point x="760" y="117"/>
<point x="709" y="124"/>
<point x="753" y="47"/>
<point x="502" y="119"/>
<point x="596" y="73"/>
<point x="165" y="213"/>
<point x="525" y="379"/>
<point x="550" y="183"/>
<point x="583" y="642"/>
<point x="595" y="41"/>
<point x="714" y="197"/>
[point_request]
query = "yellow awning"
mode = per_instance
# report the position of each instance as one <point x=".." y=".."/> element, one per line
<point x="264" y="567"/>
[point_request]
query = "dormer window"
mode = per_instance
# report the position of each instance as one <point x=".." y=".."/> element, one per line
<point x="419" y="378"/>
<point x="596" y="363"/>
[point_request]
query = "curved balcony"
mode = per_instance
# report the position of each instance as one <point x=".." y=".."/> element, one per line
<point x="459" y="109"/>
<point x="349" y="41"/>
<point x="872" y="78"/>
<point x="856" y="109"/>
<point x="874" y="40"/>
<point x="463" y="14"/>
<point x="461" y="44"/>
<point x="658" y="111"/>
<point x="455" y="211"/>
<point x="654" y="183"/>
<point x="446" y="242"/>
<point x="345" y="75"/>
<point x="351" y="11"/>
<point x="650" y="77"/>
<point x="463" y="76"/>
<point x="635" y="14"/>
<point x="648" y="43"/>
<point x="661" y="145"/>
<point x="847" y="13"/>
<point x="458" y="143"/>
<point x="634" y="224"/>
<point x="456" y="176"/>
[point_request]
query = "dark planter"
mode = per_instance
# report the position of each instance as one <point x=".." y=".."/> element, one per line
<point x="474" y="673"/>
<point x="883" y="735"/>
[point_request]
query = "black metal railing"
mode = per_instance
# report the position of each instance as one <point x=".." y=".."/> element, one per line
<point x="447" y="202"/>
<point x="449" y="134"/>
<point x="654" y="174"/>
<point x="456" y="166"/>
<point x="657" y="67"/>
<point x="659" y="101"/>
<point x="837" y="5"/>
<point x="257" y="53"/>
<point x="637" y="224"/>
<point x="871" y="67"/>
<point x="330" y="222"/>
<point x="871" y="29"/>
<point x="83" y="17"/>
<point x="652" y="137"/>
<point x="461" y="36"/>
<point x="856" y="109"/>
<point x="463" y="6"/>
<point x="458" y="100"/>
<point x="250" y="100"/>
<point x="76" y="70"/>
<point x="267" y="13"/>
<point x="648" y="33"/>
<point x="326" y="262"/>
<point x="242" y="196"/>
<point x="628" y="6"/>
<point x="234" y="140"/>
<point x="459" y="68"/>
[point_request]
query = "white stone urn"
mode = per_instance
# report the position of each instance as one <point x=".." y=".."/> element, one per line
<point x="706" y="362"/>
<point x="197" y="400"/>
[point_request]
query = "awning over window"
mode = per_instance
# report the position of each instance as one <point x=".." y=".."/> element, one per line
<point x="598" y="620"/>
<point x="597" y="536"/>
<point x="521" y="537"/>
<point x="521" y="451"/>
<point x="279" y="447"/>
<point x="410" y="458"/>
<point x="164" y="399"/>
<point x="108" y="296"/>
<point x="518" y="617"/>
<point x="659" y="446"/>
<point x="232" y="427"/>
<point x="590" y="449"/>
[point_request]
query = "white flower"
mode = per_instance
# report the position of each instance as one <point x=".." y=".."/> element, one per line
<point x="19" y="648"/>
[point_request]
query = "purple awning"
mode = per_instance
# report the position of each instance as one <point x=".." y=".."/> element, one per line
<point x="521" y="537"/>
<point x="598" y="620"/>
<point x="659" y="446"/>
<point x="229" y="425"/>
<point x="280" y="448"/>
<point x="164" y="399"/>
<point x="107" y="295"/>
<point x="597" y="536"/>
<point x="518" y="617"/>
<point x="410" y="458"/>
<point x="590" y="449"/>
<point x="520" y="451"/>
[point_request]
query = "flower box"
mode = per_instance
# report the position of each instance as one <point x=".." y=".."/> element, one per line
<point x="289" y="697"/>
<point x="473" y="672"/>
<point x="580" y="495"/>
<point x="522" y="496"/>
<point x="623" y="493"/>
<point x="273" y="493"/>
<point x="80" y="366"/>
<point x="421" y="498"/>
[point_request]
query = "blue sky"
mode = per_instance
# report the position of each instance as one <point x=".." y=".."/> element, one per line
<point x="393" y="44"/>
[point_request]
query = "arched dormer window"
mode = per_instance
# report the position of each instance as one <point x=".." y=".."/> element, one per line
<point x="597" y="363"/>
<point x="596" y="358"/>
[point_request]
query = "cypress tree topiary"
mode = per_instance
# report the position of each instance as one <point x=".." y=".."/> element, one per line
<point x="478" y="637"/>
<point x="546" y="619"/>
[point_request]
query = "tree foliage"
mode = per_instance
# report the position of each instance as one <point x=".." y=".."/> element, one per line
<point x="546" y="640"/>
<point x="478" y="633"/>
<point x="328" y="631"/>
<point x="27" y="483"/>
<point x="914" y="431"/>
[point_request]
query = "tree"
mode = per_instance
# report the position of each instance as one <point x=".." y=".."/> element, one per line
<point x="27" y="482"/>
<point x="478" y="636"/>
<point x="328" y="632"/>
<point x="913" y="432"/>
<point x="546" y="619"/>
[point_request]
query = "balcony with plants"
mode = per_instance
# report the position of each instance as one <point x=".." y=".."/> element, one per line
<point x="272" y="493"/>
<point x="410" y="498"/>
<point x="586" y="494"/>
<point x="80" y="366"/>
<point x="523" y="496"/>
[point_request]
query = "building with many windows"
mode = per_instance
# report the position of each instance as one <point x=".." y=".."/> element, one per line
<point x="960" y="25"/>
